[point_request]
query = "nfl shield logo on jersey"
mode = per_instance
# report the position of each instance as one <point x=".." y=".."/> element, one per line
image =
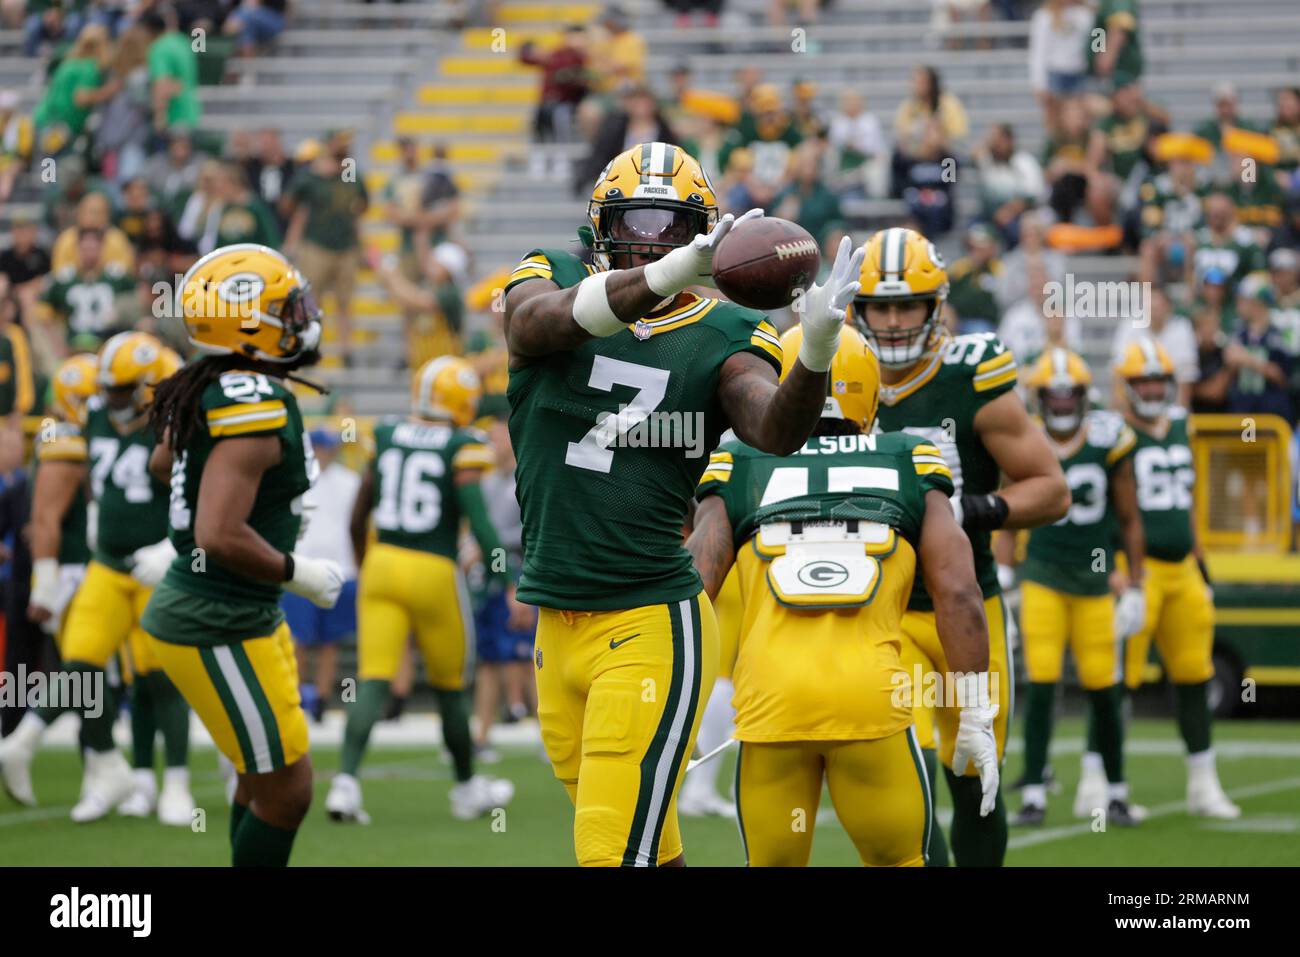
<point x="641" y="330"/>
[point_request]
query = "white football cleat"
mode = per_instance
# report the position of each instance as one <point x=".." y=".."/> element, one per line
<point x="1206" y="799"/>
<point x="343" y="803"/>
<point x="107" y="782"/>
<point x="144" y="798"/>
<point x="478" y="796"/>
<point x="176" y="803"/>
<point x="16" y="753"/>
<point x="706" y="803"/>
<point x="1092" y="794"/>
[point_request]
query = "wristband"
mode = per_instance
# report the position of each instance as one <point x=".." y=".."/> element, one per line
<point x="288" y="567"/>
<point x="591" y="307"/>
<point x="983" y="512"/>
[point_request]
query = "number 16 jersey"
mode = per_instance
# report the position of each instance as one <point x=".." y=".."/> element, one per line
<point x="611" y="438"/>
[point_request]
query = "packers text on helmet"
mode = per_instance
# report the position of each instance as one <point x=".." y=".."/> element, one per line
<point x="901" y="266"/>
<point x="649" y="200"/>
<point x="249" y="300"/>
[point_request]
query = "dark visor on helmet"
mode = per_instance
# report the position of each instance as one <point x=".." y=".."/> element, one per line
<point x="655" y="230"/>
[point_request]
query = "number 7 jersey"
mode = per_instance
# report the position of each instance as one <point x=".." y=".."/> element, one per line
<point x="610" y="439"/>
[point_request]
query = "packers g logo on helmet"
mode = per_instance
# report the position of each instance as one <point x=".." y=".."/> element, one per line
<point x="446" y="388"/>
<point x="853" y="391"/>
<point x="1146" y="360"/>
<point x="900" y="266"/>
<point x="138" y="361"/>
<point x="653" y="197"/>
<point x="249" y="300"/>
<point x="75" y="381"/>
<point x="1059" y="381"/>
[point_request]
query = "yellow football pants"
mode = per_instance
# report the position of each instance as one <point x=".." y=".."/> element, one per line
<point x="104" y="618"/>
<point x="1049" y="619"/>
<point x="1180" y="617"/>
<point x="246" y="695"/>
<point x="400" y="591"/>
<point x="620" y="695"/>
<point x="879" y="789"/>
<point x="922" y="655"/>
<point x="731" y="612"/>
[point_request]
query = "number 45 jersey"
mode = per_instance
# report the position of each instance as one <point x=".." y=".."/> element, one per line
<point x="938" y="401"/>
<point x="826" y="545"/>
<point x="414" y="479"/>
<point x="1064" y="556"/>
<point x="610" y="439"/>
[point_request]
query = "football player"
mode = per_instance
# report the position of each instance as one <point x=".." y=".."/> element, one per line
<point x="59" y="545"/>
<point x="233" y="444"/>
<point x="957" y="392"/>
<point x="826" y="543"/>
<point x="129" y="555"/>
<point x="601" y="355"/>
<point x="423" y="479"/>
<point x="1179" y="602"/>
<point x="1065" y="593"/>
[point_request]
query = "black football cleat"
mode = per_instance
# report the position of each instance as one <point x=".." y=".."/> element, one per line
<point x="1121" y="814"/>
<point x="1031" y="815"/>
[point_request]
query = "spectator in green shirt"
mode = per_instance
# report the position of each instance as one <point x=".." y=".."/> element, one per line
<point x="76" y="88"/>
<point x="1119" y="53"/>
<point x="1120" y="138"/>
<point x="173" y="72"/>
<point x="328" y="200"/>
<point x="244" y="218"/>
<point x="806" y="200"/>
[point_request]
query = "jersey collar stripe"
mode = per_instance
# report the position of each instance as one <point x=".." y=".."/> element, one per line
<point x="680" y="313"/>
<point x="892" y="395"/>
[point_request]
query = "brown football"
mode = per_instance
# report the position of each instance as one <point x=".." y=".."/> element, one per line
<point x="765" y="263"/>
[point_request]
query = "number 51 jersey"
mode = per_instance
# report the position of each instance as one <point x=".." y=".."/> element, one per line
<point x="610" y="439"/>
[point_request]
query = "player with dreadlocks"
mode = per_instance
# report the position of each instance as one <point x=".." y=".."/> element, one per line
<point x="239" y="461"/>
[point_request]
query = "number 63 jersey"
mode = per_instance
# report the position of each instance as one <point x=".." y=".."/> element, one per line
<point x="610" y="439"/>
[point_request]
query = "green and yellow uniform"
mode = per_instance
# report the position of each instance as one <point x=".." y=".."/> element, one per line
<point x="65" y="443"/>
<point x="1166" y="208"/>
<point x="1180" y="614"/>
<point x="87" y="305"/>
<point x="1125" y="139"/>
<point x="603" y="504"/>
<point x="1114" y="17"/>
<point x="410" y="581"/>
<point x="104" y="616"/>
<point x="938" y="401"/>
<point x="1065" y="595"/>
<point x="826" y="551"/>
<point x="221" y="636"/>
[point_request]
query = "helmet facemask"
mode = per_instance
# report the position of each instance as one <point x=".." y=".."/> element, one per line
<point x="298" y="317"/>
<point x="635" y="232"/>
<point x="1146" y="408"/>
<point x="1062" y="407"/>
<point x="898" y="348"/>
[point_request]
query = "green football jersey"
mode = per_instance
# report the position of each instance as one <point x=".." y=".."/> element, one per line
<point x="1167" y="208"/>
<point x="201" y="601"/>
<point x="938" y="402"/>
<point x="132" y="503"/>
<point x="88" y="304"/>
<point x="414" y="471"/>
<point x="1064" y="555"/>
<point x="869" y="478"/>
<point x="1165" y="477"/>
<point x="65" y="443"/>
<point x="1236" y="256"/>
<point x="610" y="439"/>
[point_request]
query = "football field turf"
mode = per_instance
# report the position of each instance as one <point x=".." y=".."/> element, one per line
<point x="406" y="787"/>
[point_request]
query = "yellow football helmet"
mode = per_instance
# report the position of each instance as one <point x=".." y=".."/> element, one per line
<point x="249" y="300"/>
<point x="1146" y="360"/>
<point x="446" y="388"/>
<point x="901" y="265"/>
<point x="1059" y="381"/>
<point x="134" y="360"/>
<point x="75" y="381"/>
<point x="853" y="392"/>
<point x="653" y="198"/>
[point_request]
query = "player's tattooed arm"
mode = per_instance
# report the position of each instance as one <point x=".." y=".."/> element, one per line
<point x="776" y="419"/>
<point x="359" y="525"/>
<point x="227" y="490"/>
<point x="539" y="314"/>
<point x="711" y="544"/>
<point x="1123" y="497"/>
<point x="948" y="565"/>
<point x="1035" y="492"/>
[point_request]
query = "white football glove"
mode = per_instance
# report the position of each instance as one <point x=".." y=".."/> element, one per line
<point x="45" y="584"/>
<point x="150" y="563"/>
<point x="319" y="580"/>
<point x="1130" y="612"/>
<point x="823" y="312"/>
<point x="976" y="744"/>
<point x="692" y="264"/>
<point x="92" y="524"/>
